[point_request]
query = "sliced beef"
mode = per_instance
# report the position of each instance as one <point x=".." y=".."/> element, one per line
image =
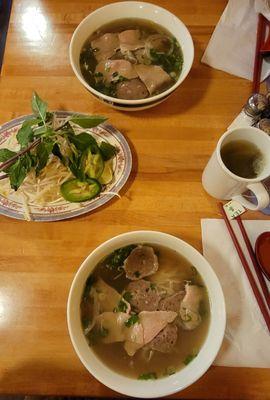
<point x="189" y="309"/>
<point x="130" y="40"/>
<point x="112" y="69"/>
<point x="144" y="296"/>
<point x="118" y="56"/>
<point x="159" y="43"/>
<point x="165" y="340"/>
<point x="154" y="321"/>
<point x="148" y="327"/>
<point x="131" y="90"/>
<point x="141" y="262"/>
<point x="172" y="303"/>
<point x="154" y="77"/>
<point x="105" y="46"/>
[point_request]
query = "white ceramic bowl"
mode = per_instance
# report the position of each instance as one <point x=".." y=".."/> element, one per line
<point x="131" y="9"/>
<point x="181" y="379"/>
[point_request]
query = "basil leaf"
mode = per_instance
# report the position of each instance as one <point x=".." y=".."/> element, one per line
<point x="18" y="171"/>
<point x="82" y="141"/>
<point x="87" y="121"/>
<point x="56" y="151"/>
<point x="44" y="149"/>
<point x="25" y="135"/>
<point x="107" y="150"/>
<point x="74" y="166"/>
<point x="6" y="154"/>
<point x="44" y="131"/>
<point x="39" y="107"/>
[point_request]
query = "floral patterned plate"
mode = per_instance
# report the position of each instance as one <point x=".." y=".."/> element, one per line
<point x="12" y="207"/>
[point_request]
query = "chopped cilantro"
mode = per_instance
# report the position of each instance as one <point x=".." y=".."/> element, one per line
<point x="189" y="358"/>
<point x="127" y="296"/>
<point x="137" y="274"/>
<point x="132" y="320"/>
<point x="122" y="306"/>
<point x="169" y="371"/>
<point x="169" y="62"/>
<point x="96" y="334"/>
<point x="147" y="376"/>
<point x="117" y="258"/>
<point x="153" y="286"/>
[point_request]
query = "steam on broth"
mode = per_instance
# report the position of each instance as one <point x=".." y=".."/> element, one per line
<point x="145" y="311"/>
<point x="131" y="59"/>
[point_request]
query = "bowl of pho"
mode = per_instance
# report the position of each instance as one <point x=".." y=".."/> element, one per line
<point x="146" y="314"/>
<point x="131" y="55"/>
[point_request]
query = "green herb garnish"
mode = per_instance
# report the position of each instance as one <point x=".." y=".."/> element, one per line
<point x="122" y="306"/>
<point x="107" y="150"/>
<point x="132" y="320"/>
<point x="137" y="274"/>
<point x="39" y="140"/>
<point x="169" y="62"/>
<point x="97" y="334"/>
<point x="116" y="259"/>
<point x="147" y="376"/>
<point x="169" y="371"/>
<point x="189" y="358"/>
<point x="127" y="296"/>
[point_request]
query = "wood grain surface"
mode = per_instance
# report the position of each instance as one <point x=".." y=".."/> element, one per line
<point x="171" y="145"/>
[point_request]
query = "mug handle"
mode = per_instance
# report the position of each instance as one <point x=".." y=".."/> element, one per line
<point x="261" y="194"/>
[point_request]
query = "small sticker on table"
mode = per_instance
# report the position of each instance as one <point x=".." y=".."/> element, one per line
<point x="233" y="209"/>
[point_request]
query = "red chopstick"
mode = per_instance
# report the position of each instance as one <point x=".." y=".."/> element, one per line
<point x="246" y="267"/>
<point x="254" y="261"/>
<point x="258" y="56"/>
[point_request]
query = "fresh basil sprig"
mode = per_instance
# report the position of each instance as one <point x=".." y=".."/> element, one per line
<point x="39" y="139"/>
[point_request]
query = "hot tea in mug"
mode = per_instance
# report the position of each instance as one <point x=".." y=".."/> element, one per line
<point x="240" y="162"/>
<point x="242" y="158"/>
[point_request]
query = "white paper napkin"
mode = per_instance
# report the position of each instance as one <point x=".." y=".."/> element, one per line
<point x="247" y="341"/>
<point x="232" y="45"/>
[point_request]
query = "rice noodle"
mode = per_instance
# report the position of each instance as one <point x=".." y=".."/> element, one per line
<point x="96" y="310"/>
<point x="41" y="189"/>
<point x="147" y="353"/>
<point x="44" y="189"/>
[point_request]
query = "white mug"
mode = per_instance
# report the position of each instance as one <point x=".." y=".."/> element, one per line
<point x="223" y="184"/>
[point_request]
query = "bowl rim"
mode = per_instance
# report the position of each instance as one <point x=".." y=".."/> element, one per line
<point x="115" y="100"/>
<point x="214" y="338"/>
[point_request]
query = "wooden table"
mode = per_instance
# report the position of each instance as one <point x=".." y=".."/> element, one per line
<point x="171" y="144"/>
